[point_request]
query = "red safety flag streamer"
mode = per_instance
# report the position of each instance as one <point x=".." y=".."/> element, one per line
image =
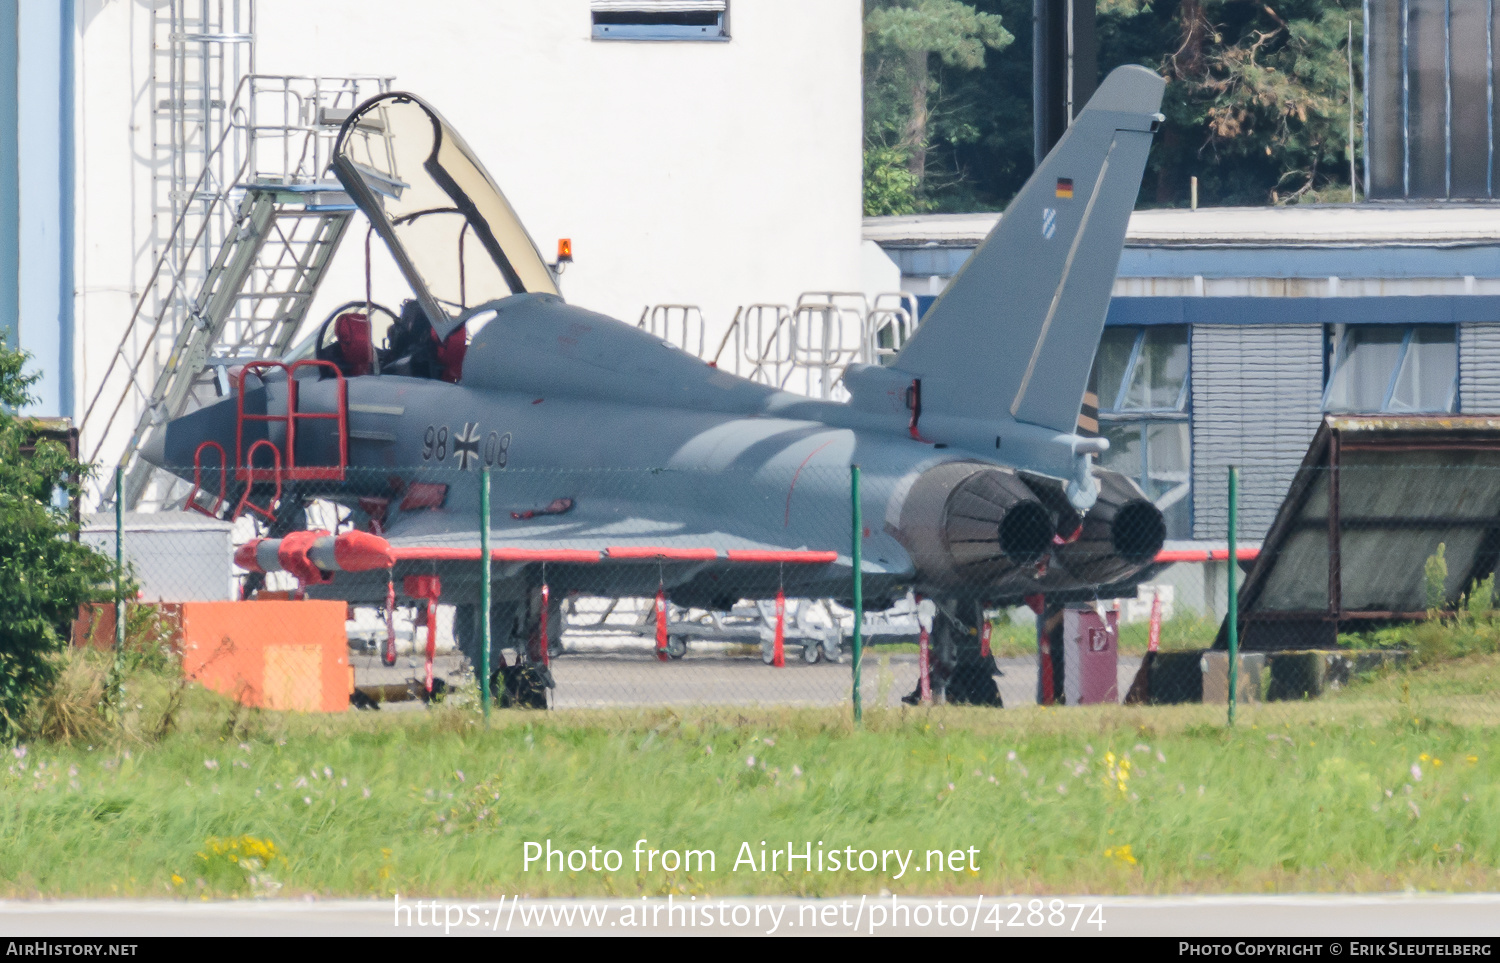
<point x="778" y="645"/>
<point x="1038" y="604"/>
<point x="984" y="638"/>
<point x="389" y="655"/>
<point x="546" y="641"/>
<point x="1047" y="692"/>
<point x="1154" y="639"/>
<point x="431" y="640"/>
<point x="661" y="625"/>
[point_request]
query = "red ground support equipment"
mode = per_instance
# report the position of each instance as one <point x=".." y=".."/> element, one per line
<point x="429" y="588"/>
<point x="1091" y="637"/>
<point x="984" y="639"/>
<point x="661" y="625"/>
<point x="778" y="647"/>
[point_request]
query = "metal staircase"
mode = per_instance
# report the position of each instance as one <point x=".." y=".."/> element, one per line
<point x="280" y="218"/>
<point x="250" y="307"/>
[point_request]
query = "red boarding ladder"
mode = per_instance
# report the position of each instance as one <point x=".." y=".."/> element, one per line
<point x="192" y="499"/>
<point x="274" y="473"/>
<point x="285" y="467"/>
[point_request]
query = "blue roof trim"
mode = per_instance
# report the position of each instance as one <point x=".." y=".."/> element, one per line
<point x="1354" y="261"/>
<point x="1432" y="309"/>
<point x="1369" y="261"/>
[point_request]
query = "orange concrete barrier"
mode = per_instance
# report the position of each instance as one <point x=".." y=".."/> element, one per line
<point x="95" y="626"/>
<point x="272" y="655"/>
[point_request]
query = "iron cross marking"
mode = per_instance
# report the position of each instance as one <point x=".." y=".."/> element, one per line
<point x="466" y="445"/>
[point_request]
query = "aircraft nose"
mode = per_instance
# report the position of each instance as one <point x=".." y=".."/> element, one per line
<point x="154" y="448"/>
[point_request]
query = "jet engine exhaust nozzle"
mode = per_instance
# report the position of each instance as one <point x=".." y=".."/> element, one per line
<point x="1026" y="533"/>
<point x="1138" y="530"/>
<point x="1119" y="537"/>
<point x="964" y="521"/>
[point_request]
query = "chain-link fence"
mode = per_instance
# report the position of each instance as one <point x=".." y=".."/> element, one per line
<point x="623" y="589"/>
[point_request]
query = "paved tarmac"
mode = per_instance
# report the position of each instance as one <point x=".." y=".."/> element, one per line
<point x="635" y="679"/>
<point x="1368" y="918"/>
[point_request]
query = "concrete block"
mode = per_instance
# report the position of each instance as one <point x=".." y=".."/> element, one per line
<point x="1215" y="668"/>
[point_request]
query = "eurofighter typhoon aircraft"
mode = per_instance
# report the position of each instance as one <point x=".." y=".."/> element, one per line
<point x="977" y="489"/>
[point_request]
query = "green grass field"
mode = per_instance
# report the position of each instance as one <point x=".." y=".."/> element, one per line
<point x="1391" y="784"/>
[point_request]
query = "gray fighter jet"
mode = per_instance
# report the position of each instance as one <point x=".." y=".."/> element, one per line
<point x="977" y="488"/>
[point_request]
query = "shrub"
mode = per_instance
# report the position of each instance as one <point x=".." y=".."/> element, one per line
<point x="44" y="574"/>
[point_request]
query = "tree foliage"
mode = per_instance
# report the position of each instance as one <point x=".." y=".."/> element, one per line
<point x="1257" y="106"/>
<point x="1258" y="101"/>
<point x="911" y="48"/>
<point x="44" y="574"/>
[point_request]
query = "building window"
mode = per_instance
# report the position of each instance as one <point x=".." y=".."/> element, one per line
<point x="1380" y="368"/>
<point x="661" y="19"/>
<point x="1142" y="378"/>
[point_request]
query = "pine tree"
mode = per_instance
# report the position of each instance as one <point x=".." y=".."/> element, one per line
<point x="909" y="45"/>
<point x="1257" y="106"/>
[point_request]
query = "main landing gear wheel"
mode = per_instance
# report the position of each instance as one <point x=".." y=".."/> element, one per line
<point x="811" y="653"/>
<point x="676" y="647"/>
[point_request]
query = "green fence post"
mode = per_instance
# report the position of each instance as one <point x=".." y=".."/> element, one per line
<point x="1233" y="592"/>
<point x="119" y="559"/>
<point x="484" y="589"/>
<point x="859" y="588"/>
<point x="113" y="696"/>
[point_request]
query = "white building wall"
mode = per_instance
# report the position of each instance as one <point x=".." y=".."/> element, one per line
<point x="709" y="173"/>
<point x="113" y="248"/>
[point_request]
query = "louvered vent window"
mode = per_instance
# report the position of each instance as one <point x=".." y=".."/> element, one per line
<point x="661" y="19"/>
<point x="1142" y="374"/>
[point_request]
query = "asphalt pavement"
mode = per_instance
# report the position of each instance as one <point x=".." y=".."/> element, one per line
<point x="635" y="678"/>
<point x="1352" y="919"/>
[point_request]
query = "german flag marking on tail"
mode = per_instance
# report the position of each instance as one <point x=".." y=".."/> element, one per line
<point x="1065" y="188"/>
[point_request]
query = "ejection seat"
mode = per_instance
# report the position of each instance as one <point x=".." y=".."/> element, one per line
<point x="349" y="339"/>
<point x="413" y="348"/>
<point x="353" y="346"/>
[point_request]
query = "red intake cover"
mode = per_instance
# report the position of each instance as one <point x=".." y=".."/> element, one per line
<point x="293" y="557"/>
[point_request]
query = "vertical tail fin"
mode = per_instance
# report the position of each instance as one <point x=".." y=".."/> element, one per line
<point x="1014" y="334"/>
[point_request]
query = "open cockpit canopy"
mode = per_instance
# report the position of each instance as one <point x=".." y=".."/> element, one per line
<point x="450" y="229"/>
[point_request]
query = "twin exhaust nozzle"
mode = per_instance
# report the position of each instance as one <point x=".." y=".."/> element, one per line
<point x="971" y="524"/>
